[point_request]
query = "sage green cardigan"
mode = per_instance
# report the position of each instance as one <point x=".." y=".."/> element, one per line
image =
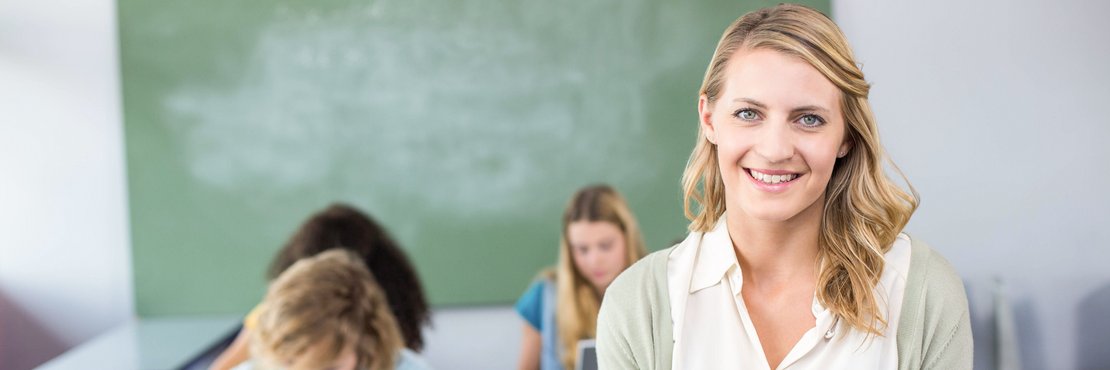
<point x="934" y="330"/>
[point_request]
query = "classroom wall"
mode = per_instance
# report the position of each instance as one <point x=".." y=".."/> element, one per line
<point x="475" y="338"/>
<point x="65" y="272"/>
<point x="996" y="112"/>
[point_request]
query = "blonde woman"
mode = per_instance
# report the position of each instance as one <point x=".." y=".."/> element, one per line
<point x="600" y="239"/>
<point x="796" y="257"/>
<point x="328" y="312"/>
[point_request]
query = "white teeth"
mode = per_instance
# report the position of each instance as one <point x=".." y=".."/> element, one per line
<point x="772" y="179"/>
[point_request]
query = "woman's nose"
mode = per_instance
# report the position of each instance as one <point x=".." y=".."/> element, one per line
<point x="776" y="142"/>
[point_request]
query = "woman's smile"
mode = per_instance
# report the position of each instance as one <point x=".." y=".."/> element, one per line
<point x="774" y="181"/>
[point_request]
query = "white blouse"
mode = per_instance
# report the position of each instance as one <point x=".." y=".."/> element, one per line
<point x="713" y="330"/>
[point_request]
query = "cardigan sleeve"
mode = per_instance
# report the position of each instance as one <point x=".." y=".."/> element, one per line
<point x="613" y="348"/>
<point x="935" y="328"/>
<point x="950" y="344"/>
<point x="633" y="327"/>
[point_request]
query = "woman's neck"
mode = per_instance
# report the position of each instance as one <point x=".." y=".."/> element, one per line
<point x="777" y="252"/>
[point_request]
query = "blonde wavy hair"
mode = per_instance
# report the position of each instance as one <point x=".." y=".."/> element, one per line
<point x="864" y="211"/>
<point x="577" y="302"/>
<point x="321" y="306"/>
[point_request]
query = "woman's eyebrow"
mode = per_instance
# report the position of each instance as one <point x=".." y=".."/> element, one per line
<point x="751" y="101"/>
<point x="810" y="108"/>
<point x="804" y="108"/>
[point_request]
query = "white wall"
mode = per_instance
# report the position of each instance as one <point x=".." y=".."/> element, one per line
<point x="996" y="110"/>
<point x="474" y="338"/>
<point x="65" y="265"/>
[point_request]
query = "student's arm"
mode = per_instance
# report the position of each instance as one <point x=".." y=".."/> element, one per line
<point x="529" y="306"/>
<point x="235" y="354"/>
<point x="530" y="349"/>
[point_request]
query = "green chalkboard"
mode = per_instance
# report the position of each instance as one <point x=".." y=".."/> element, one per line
<point x="463" y="126"/>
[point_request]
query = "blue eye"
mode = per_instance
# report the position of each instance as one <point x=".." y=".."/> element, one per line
<point x="811" y="120"/>
<point x="746" y="114"/>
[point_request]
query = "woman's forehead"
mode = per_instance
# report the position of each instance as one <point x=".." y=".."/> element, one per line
<point x="776" y="79"/>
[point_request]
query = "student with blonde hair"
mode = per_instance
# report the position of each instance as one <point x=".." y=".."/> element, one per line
<point x="600" y="238"/>
<point x="328" y="312"/>
<point x="342" y="226"/>
<point x="795" y="257"/>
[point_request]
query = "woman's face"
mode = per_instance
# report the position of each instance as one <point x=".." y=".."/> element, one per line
<point x="598" y="250"/>
<point x="778" y="128"/>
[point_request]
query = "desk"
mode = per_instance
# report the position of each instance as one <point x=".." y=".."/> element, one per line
<point x="149" y="344"/>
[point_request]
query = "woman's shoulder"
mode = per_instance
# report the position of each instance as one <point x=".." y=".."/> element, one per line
<point x="650" y="272"/>
<point x="931" y="273"/>
<point x="652" y="263"/>
<point x="934" y="290"/>
<point x="643" y="274"/>
<point x="635" y="315"/>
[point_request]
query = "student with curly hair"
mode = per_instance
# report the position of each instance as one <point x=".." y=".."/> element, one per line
<point x="342" y="226"/>
<point x="328" y="312"/>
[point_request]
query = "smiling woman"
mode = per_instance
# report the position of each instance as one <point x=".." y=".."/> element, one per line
<point x="779" y="129"/>
<point x="796" y="256"/>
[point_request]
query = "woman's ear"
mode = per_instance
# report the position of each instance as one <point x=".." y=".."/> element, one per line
<point x="705" y="119"/>
<point x="845" y="147"/>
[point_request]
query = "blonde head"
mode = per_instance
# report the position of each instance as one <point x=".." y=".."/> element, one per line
<point x="320" y="307"/>
<point x="577" y="300"/>
<point x="863" y="209"/>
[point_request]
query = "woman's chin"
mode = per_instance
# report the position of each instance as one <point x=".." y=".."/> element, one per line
<point x="773" y="210"/>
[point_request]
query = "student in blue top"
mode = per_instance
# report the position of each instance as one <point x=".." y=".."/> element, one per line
<point x="600" y="238"/>
<point x="328" y="312"/>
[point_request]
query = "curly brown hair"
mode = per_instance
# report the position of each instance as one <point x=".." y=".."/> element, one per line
<point x="344" y="226"/>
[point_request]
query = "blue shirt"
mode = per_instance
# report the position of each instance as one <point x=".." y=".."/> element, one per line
<point x="530" y="305"/>
<point x="537" y="307"/>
